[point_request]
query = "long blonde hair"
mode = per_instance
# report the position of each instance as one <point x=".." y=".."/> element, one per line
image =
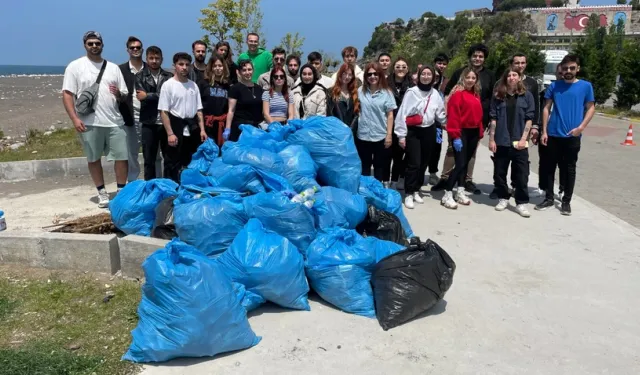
<point x="477" y="88"/>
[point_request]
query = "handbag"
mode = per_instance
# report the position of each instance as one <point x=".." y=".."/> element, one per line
<point x="416" y="120"/>
<point x="87" y="98"/>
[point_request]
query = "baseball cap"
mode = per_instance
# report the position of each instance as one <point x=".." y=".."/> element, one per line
<point x="91" y="35"/>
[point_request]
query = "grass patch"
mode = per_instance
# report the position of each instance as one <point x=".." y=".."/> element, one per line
<point x="60" y="144"/>
<point x="615" y="112"/>
<point x="61" y="323"/>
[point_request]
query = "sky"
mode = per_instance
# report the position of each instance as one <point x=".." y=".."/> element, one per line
<point x="45" y="32"/>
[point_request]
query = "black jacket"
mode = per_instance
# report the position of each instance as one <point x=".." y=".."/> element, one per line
<point x="145" y="82"/>
<point x="531" y="85"/>
<point x="487" y="82"/>
<point x="126" y="107"/>
<point x="343" y="111"/>
<point x="399" y="90"/>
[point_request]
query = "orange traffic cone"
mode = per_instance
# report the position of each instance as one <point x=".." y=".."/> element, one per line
<point x="629" y="140"/>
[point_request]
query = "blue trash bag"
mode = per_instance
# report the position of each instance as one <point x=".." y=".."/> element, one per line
<point x="277" y="213"/>
<point x="256" y="137"/>
<point x="205" y="155"/>
<point x="331" y="145"/>
<point x="211" y="223"/>
<point x="280" y="132"/>
<point x="133" y="210"/>
<point x="196" y="178"/>
<point x="339" y="265"/>
<point x="188" y="193"/>
<point x="249" y="300"/>
<point x="339" y="208"/>
<point x="260" y="158"/>
<point x="299" y="168"/>
<point x="241" y="178"/>
<point x="268" y="265"/>
<point x="188" y="309"/>
<point x="384" y="199"/>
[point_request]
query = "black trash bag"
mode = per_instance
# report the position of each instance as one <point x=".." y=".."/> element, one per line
<point x="410" y="282"/>
<point x="383" y="225"/>
<point x="164" y="228"/>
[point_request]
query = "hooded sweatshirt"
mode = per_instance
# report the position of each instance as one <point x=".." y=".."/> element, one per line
<point x="262" y="62"/>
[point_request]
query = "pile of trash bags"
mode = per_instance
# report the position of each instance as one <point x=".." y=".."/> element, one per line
<point x="269" y="218"/>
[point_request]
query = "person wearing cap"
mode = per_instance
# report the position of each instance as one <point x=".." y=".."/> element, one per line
<point x="102" y="130"/>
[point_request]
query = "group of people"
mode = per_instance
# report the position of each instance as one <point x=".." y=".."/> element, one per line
<point x="397" y="116"/>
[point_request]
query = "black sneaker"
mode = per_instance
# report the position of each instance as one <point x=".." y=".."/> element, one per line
<point x="547" y="203"/>
<point x="494" y="194"/>
<point x="565" y="209"/>
<point x="442" y="183"/>
<point x="471" y="188"/>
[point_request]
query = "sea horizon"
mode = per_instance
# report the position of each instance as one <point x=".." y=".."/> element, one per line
<point x="30" y="70"/>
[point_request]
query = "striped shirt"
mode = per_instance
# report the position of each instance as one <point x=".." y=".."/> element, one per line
<point x="278" y="106"/>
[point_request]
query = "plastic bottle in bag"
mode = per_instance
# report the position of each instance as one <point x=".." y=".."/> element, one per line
<point x="309" y="203"/>
<point x="305" y="195"/>
<point x="3" y="222"/>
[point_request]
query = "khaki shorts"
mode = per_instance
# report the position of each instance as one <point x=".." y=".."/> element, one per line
<point x="98" y="141"/>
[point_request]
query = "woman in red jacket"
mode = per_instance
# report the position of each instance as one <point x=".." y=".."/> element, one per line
<point x="464" y="127"/>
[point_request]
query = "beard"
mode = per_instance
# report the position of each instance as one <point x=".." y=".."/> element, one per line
<point x="199" y="59"/>
<point x="95" y="51"/>
<point x="569" y="76"/>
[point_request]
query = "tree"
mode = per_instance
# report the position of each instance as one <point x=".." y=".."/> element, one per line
<point x="503" y="49"/>
<point x="381" y="40"/>
<point x="405" y="48"/>
<point x="621" y="2"/>
<point x="635" y="4"/>
<point x="628" y="92"/>
<point x="292" y="44"/>
<point x="472" y="36"/>
<point x="231" y="20"/>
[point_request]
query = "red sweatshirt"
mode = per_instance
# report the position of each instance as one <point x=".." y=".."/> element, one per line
<point x="464" y="111"/>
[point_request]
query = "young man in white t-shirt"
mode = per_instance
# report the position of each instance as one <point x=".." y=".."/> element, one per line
<point x="101" y="132"/>
<point x="180" y="108"/>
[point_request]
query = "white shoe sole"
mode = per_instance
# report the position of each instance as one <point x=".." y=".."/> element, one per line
<point x="103" y="205"/>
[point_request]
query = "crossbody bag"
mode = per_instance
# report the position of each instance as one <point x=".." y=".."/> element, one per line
<point x="87" y="99"/>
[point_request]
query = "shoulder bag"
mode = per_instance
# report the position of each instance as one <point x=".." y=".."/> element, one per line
<point x="416" y="120"/>
<point x="85" y="102"/>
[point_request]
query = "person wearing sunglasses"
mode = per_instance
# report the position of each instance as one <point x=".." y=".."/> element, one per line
<point x="130" y="108"/>
<point x="279" y="56"/>
<point x="415" y="127"/>
<point x="573" y="108"/>
<point x="277" y="101"/>
<point x="399" y="81"/>
<point x="100" y="127"/>
<point x="310" y="96"/>
<point x="375" y="126"/>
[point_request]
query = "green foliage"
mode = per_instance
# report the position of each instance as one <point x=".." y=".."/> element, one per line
<point x="472" y="36"/>
<point x="405" y="47"/>
<point x="628" y="92"/>
<point x="381" y="40"/>
<point x="231" y="20"/>
<point x="504" y="49"/>
<point x="635" y="4"/>
<point x="292" y="43"/>
<point x="621" y="2"/>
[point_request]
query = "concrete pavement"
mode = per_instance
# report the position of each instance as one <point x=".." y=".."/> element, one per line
<point x="545" y="295"/>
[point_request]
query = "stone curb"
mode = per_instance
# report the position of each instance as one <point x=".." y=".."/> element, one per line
<point x="31" y="169"/>
<point x="104" y="253"/>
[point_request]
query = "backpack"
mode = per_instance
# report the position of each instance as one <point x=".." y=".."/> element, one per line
<point x="88" y="97"/>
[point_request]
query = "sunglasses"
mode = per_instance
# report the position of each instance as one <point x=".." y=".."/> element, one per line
<point x="135" y="48"/>
<point x="94" y="44"/>
<point x="278" y="59"/>
<point x="372" y="74"/>
<point x="569" y="68"/>
<point x="278" y="76"/>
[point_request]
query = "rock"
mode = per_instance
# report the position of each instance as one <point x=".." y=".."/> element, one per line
<point x="73" y="347"/>
<point x="7" y="138"/>
<point x="34" y="152"/>
<point x="16" y="146"/>
<point x="58" y="122"/>
<point x="52" y="128"/>
<point x="48" y="133"/>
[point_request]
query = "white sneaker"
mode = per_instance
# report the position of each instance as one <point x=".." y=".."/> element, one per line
<point x="103" y="198"/>
<point x="462" y="198"/>
<point x="417" y="198"/>
<point x="386" y="184"/>
<point x="408" y="202"/>
<point x="522" y="210"/>
<point x="433" y="179"/>
<point x="447" y="200"/>
<point x="537" y="193"/>
<point x="401" y="183"/>
<point x="393" y="185"/>
<point x="502" y="205"/>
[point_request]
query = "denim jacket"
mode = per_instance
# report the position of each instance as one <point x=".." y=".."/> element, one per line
<point x="525" y="110"/>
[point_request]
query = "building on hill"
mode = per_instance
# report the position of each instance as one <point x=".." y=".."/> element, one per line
<point x="475" y="13"/>
<point x="560" y="28"/>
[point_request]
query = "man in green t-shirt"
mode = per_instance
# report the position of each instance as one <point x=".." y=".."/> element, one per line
<point x="261" y="58"/>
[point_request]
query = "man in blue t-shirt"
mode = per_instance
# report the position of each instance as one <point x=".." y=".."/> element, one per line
<point x="573" y="108"/>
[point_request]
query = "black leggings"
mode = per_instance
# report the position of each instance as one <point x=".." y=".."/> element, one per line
<point x="399" y="161"/>
<point x="374" y="153"/>
<point x="470" y="139"/>
<point x="434" y="159"/>
<point x="419" y="148"/>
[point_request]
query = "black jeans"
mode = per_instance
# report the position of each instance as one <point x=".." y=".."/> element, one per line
<point x="419" y="148"/>
<point x="153" y="136"/>
<point x="373" y="153"/>
<point x="399" y="162"/>
<point x="178" y="157"/>
<point x="563" y="153"/>
<point x="470" y="139"/>
<point x="434" y="159"/>
<point x="519" y="160"/>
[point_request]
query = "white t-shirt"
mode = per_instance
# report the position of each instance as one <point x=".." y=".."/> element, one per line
<point x="180" y="99"/>
<point x="80" y="74"/>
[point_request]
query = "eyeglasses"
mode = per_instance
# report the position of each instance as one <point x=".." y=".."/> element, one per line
<point x="569" y="68"/>
<point x="135" y="48"/>
<point x="278" y="76"/>
<point x="372" y="74"/>
<point x="94" y="44"/>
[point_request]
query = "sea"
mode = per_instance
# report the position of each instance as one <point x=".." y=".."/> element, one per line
<point x="30" y="70"/>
